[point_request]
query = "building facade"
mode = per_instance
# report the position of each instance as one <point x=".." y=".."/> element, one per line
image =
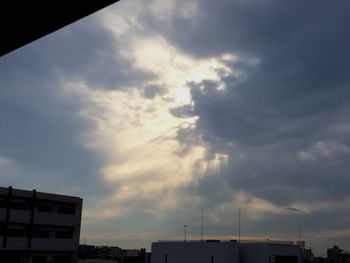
<point x="190" y="252"/>
<point x="38" y="227"/>
<point x="224" y="252"/>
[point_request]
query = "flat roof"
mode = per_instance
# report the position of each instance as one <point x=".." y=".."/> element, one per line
<point x="267" y="241"/>
<point x="40" y="195"/>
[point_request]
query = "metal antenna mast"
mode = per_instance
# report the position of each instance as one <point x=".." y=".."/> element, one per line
<point x="239" y="225"/>
<point x="202" y="227"/>
<point x="185" y="226"/>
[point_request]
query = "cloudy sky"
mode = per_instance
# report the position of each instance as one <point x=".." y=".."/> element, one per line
<point x="153" y="110"/>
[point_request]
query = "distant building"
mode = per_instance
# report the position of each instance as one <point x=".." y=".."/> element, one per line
<point x="106" y="252"/>
<point x="135" y="256"/>
<point x="38" y="227"/>
<point x="306" y="254"/>
<point x="224" y="252"/>
<point x="337" y="255"/>
<point x="100" y="252"/>
<point x="115" y="253"/>
<point x="87" y="252"/>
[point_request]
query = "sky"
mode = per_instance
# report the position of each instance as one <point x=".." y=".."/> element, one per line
<point x="152" y="110"/>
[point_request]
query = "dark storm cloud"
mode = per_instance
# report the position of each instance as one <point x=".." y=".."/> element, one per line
<point x="282" y="117"/>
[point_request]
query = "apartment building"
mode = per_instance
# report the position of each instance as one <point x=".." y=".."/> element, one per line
<point x="38" y="227"/>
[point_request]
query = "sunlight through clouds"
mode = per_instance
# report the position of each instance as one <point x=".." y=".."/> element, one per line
<point x="137" y="135"/>
<point x="174" y="68"/>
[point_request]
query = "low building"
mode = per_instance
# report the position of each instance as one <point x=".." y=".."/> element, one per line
<point x="114" y="253"/>
<point x="107" y="252"/>
<point x="87" y="252"/>
<point x="224" y="252"/>
<point x="38" y="227"/>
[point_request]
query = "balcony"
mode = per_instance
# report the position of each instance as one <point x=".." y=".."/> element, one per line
<point x="56" y="219"/>
<point x="53" y="244"/>
<point x="21" y="243"/>
<point x="17" y="243"/>
<point x="19" y="216"/>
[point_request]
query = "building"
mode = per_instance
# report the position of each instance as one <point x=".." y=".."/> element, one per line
<point x="87" y="252"/>
<point x="99" y="252"/>
<point x="224" y="252"/>
<point x="190" y="252"/>
<point x="38" y="227"/>
<point x="337" y="255"/>
<point x="268" y="252"/>
<point x="106" y="252"/>
<point x="135" y="256"/>
<point x="114" y="253"/>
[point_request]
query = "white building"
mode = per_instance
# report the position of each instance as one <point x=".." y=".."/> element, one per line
<point x="268" y="252"/>
<point x="38" y="227"/>
<point x="224" y="252"/>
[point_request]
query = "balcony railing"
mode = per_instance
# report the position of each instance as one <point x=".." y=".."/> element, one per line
<point x="53" y="244"/>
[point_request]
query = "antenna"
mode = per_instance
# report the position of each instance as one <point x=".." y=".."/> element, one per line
<point x="239" y="225"/>
<point x="233" y="228"/>
<point x="185" y="226"/>
<point x="202" y="227"/>
<point x="299" y="230"/>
